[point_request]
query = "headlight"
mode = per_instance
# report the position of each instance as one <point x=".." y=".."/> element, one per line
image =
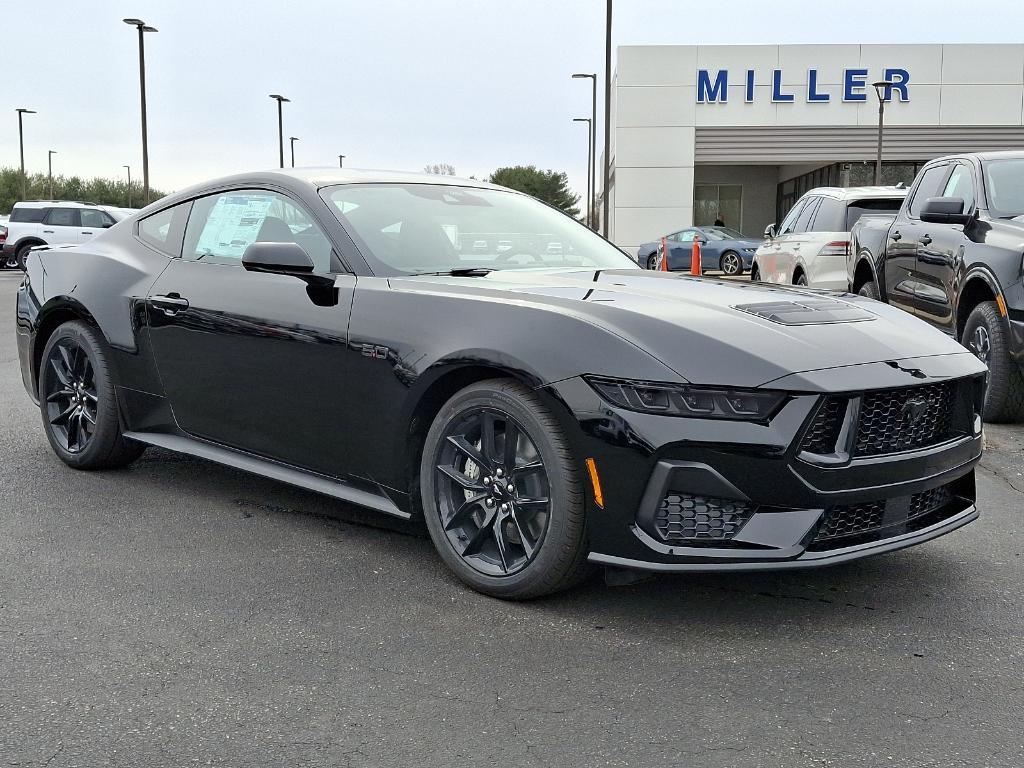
<point x="686" y="400"/>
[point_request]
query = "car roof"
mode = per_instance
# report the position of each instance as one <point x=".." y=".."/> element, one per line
<point x="1011" y="154"/>
<point x="857" y="193"/>
<point x="51" y="203"/>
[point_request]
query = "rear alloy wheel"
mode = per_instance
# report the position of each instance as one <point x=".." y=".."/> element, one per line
<point x="985" y="336"/>
<point x="501" y="495"/>
<point x="731" y="264"/>
<point x="77" y="401"/>
<point x="652" y="261"/>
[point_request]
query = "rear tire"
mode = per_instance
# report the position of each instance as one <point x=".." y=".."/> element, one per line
<point x="755" y="274"/>
<point x="512" y="544"/>
<point x="78" y="401"/>
<point x="22" y="254"/>
<point x="985" y="336"/>
<point x="869" y="289"/>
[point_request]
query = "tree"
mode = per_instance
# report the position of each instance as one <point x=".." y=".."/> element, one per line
<point x="551" y="187"/>
<point x="113" y="192"/>
<point x="440" y="169"/>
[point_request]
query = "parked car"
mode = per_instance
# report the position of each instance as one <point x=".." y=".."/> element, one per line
<point x="5" y="261"/>
<point x="537" y="416"/>
<point x="119" y="214"/>
<point x="720" y="248"/>
<point x="952" y="256"/>
<point x="810" y="246"/>
<point x="51" y="222"/>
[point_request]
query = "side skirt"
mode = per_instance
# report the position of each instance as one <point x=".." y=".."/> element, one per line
<point x="311" y="481"/>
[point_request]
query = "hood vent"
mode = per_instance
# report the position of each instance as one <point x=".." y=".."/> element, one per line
<point x="807" y="312"/>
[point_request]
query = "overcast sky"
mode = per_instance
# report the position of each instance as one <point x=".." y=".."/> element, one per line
<point x="389" y="83"/>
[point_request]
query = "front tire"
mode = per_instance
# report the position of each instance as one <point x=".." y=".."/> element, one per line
<point x="731" y="264"/>
<point x="755" y="274"/>
<point x="800" y="280"/>
<point x="523" y="533"/>
<point x="78" y="402"/>
<point x="652" y="261"/>
<point x="985" y="336"/>
<point x="869" y="289"/>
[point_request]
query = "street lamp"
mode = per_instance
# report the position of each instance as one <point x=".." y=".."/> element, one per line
<point x="607" y="114"/>
<point x="591" y="170"/>
<point x="129" y="169"/>
<point x="341" y="161"/>
<point x="49" y="168"/>
<point x="21" y="145"/>
<point x="143" y="28"/>
<point x="292" y="140"/>
<point x="590" y="155"/>
<point x="280" y="125"/>
<point x="882" y="91"/>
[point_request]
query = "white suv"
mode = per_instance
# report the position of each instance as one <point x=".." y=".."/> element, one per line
<point x="51" y="222"/>
<point x="809" y="247"/>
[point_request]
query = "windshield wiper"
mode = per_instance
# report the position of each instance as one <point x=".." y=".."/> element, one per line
<point x="461" y="272"/>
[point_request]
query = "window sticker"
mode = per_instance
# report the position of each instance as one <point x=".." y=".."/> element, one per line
<point x="233" y="225"/>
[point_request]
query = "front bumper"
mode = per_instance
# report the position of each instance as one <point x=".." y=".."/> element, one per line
<point x="779" y="506"/>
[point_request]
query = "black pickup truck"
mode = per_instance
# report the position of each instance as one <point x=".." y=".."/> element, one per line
<point x="954" y="256"/>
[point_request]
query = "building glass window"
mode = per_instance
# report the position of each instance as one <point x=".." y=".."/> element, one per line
<point x="718" y="202"/>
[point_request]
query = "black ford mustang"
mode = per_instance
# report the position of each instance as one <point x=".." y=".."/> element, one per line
<point x="428" y="346"/>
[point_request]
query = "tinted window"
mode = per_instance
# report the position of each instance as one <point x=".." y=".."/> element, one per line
<point x="28" y="215"/>
<point x="62" y="217"/>
<point x="222" y="226"/>
<point x="831" y="216"/>
<point x="803" y="222"/>
<point x="929" y="187"/>
<point x="721" y="233"/>
<point x="961" y="184"/>
<point x="164" y="230"/>
<point x="1004" y="183"/>
<point x="873" y="207"/>
<point x="787" y="223"/>
<point x="91" y="218"/>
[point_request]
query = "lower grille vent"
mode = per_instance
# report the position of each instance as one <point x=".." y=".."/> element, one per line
<point x="682" y="518"/>
<point x="843" y="524"/>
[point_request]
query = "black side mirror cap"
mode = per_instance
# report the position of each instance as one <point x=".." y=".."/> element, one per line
<point x="279" y="258"/>
<point x="944" y="210"/>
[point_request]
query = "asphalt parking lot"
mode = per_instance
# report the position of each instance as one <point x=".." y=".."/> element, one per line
<point x="180" y="613"/>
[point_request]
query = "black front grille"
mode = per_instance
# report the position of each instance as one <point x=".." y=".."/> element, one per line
<point x="895" y="420"/>
<point x="683" y="518"/>
<point x="824" y="431"/>
<point x="846" y="524"/>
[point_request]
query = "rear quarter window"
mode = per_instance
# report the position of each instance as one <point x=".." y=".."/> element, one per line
<point x="28" y="215"/>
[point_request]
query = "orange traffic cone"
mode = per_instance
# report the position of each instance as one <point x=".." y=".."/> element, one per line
<point x="664" y="255"/>
<point x="695" y="260"/>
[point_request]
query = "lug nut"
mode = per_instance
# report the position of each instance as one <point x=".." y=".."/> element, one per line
<point x="489" y="502"/>
<point x="487" y="481"/>
<point x="504" y="507"/>
<point x="499" y="472"/>
<point x="511" y="488"/>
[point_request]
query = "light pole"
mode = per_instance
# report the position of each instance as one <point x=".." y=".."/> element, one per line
<point x="143" y="28"/>
<point x="292" y="140"/>
<point x="882" y="92"/>
<point x="341" y="161"/>
<point x="280" y="125"/>
<point x="607" y="114"/>
<point x="129" y="169"/>
<point x="21" y="145"/>
<point x="49" y="168"/>
<point x="590" y="155"/>
<point x="591" y="170"/>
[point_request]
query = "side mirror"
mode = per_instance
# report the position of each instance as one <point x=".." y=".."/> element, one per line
<point x="700" y="239"/>
<point x="769" y="232"/>
<point x="944" y="210"/>
<point x="279" y="258"/>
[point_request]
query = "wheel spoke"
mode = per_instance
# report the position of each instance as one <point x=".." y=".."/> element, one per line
<point x="65" y="355"/>
<point x="460" y="515"/>
<point x="529" y="547"/>
<point x="470" y="451"/>
<point x="88" y="417"/>
<point x="502" y="542"/>
<point x="86" y="373"/>
<point x="477" y="540"/>
<point x="530" y="466"/>
<point x="466" y="482"/>
<point x="63" y="416"/>
<point x="511" y="443"/>
<point x="74" y="423"/>
<point x="537" y="502"/>
<point x="487" y="445"/>
<point x="62" y="393"/>
<point x="90" y="395"/>
<point x="62" y="375"/>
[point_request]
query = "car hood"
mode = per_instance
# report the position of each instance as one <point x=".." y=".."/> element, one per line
<point x="714" y="331"/>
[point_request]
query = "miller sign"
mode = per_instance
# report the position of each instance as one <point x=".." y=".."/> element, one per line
<point x="715" y="89"/>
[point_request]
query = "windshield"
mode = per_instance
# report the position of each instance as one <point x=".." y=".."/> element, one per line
<point x="417" y="228"/>
<point x="721" y="233"/>
<point x="1004" y="183"/>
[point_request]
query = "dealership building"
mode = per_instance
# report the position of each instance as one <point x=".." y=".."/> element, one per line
<point x="741" y="132"/>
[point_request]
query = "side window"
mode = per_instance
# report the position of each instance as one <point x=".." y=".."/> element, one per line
<point x="928" y="187"/>
<point x="790" y="220"/>
<point x="62" y="217"/>
<point x="165" y="230"/>
<point x="93" y="218"/>
<point x="803" y="222"/>
<point x="222" y="226"/>
<point x="830" y="216"/>
<point x="28" y="215"/>
<point x="687" y="236"/>
<point x="961" y="184"/>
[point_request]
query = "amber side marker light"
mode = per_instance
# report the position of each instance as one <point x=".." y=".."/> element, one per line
<point x="1001" y="303"/>
<point x="595" y="482"/>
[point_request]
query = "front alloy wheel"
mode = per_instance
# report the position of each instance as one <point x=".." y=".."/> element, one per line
<point x="731" y="264"/>
<point x="501" y="492"/>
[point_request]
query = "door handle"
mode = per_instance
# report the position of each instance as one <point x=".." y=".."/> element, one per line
<point x="86" y="233"/>
<point x="796" y="246"/>
<point x="171" y="304"/>
<point x="925" y="240"/>
<point x="47" y="231"/>
<point x="896" y="235"/>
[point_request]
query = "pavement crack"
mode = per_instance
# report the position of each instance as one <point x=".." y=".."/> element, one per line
<point x="998" y="473"/>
